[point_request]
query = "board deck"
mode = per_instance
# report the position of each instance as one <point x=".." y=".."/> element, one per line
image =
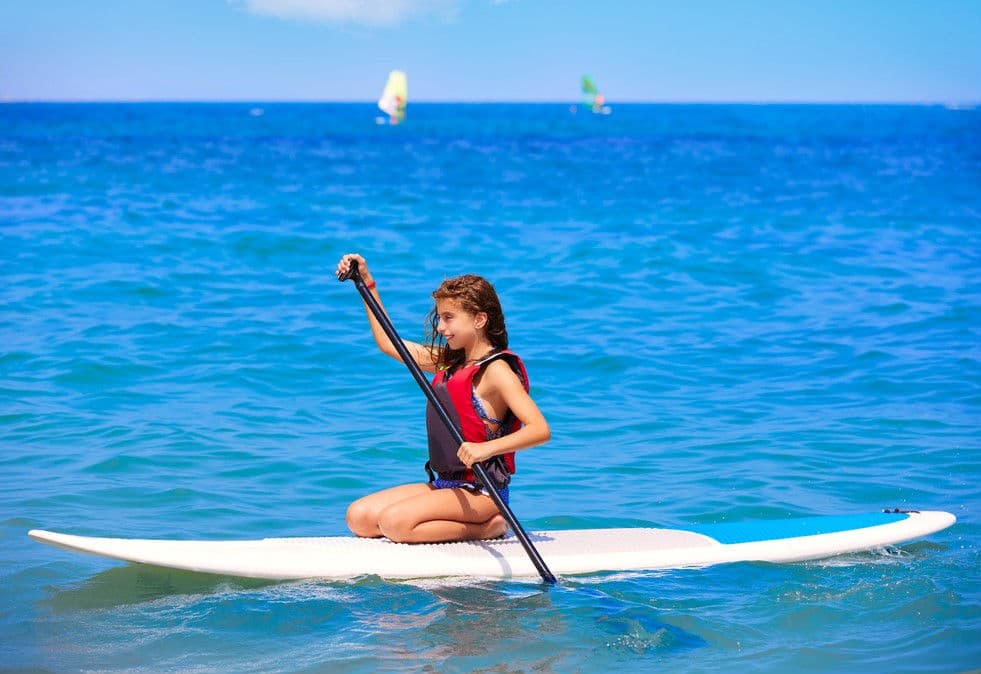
<point x="566" y="552"/>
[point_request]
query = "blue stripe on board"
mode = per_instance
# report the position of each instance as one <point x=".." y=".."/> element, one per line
<point x="748" y="532"/>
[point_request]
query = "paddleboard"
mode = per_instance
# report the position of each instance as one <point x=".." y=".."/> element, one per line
<point x="567" y="552"/>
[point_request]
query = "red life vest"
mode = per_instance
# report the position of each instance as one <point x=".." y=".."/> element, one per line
<point x="455" y="391"/>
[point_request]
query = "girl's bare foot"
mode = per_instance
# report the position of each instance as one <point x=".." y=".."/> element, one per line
<point x="495" y="527"/>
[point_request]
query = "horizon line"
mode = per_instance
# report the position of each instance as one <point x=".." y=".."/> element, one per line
<point x="317" y="101"/>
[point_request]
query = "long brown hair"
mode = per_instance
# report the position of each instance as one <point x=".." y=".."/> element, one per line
<point x="474" y="294"/>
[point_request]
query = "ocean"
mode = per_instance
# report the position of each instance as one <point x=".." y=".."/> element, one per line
<point x="728" y="313"/>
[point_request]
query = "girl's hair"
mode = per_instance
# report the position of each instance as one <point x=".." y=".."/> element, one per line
<point x="474" y="294"/>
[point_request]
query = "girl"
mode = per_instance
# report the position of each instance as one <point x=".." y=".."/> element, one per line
<point x="484" y="389"/>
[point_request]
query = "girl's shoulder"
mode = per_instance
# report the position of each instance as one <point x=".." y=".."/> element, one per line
<point x="505" y="367"/>
<point x="502" y="355"/>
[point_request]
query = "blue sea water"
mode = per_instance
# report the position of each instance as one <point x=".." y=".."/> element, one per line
<point x="727" y="312"/>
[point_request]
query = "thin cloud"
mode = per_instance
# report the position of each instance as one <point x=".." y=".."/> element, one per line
<point x="367" y="12"/>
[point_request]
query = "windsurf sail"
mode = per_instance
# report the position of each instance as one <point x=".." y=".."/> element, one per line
<point x="592" y="96"/>
<point x="395" y="96"/>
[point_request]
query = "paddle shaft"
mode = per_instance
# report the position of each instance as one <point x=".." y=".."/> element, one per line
<point x="355" y="275"/>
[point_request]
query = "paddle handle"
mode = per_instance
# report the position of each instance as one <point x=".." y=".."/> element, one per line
<point x="355" y="275"/>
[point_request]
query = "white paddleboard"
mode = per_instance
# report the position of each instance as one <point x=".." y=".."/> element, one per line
<point x="569" y="552"/>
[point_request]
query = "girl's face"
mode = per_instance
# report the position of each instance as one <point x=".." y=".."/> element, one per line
<point x="460" y="328"/>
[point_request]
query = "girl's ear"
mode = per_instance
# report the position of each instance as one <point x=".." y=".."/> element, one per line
<point x="480" y="320"/>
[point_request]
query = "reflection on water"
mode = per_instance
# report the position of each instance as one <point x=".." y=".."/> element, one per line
<point x="140" y="583"/>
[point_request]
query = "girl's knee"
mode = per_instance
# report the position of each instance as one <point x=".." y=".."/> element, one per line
<point x="395" y="526"/>
<point x="361" y="520"/>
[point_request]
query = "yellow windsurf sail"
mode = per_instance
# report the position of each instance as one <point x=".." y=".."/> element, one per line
<point x="395" y="96"/>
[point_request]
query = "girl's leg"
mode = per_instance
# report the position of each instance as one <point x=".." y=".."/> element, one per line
<point x="362" y="515"/>
<point x="439" y="515"/>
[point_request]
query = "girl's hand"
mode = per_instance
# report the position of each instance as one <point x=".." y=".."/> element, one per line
<point x="473" y="452"/>
<point x="345" y="265"/>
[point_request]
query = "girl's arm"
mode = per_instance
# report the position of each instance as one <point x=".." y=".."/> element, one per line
<point x="534" y="431"/>
<point x="419" y="352"/>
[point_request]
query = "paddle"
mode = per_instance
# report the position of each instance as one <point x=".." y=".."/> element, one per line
<point x="355" y="275"/>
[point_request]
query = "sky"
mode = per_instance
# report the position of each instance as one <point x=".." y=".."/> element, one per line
<point x="793" y="51"/>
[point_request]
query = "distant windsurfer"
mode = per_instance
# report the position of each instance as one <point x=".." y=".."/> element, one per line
<point x="399" y="114"/>
<point x="598" y="103"/>
<point x="395" y="96"/>
<point x="592" y="97"/>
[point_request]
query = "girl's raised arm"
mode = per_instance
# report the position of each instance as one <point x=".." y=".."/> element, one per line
<point x="419" y="352"/>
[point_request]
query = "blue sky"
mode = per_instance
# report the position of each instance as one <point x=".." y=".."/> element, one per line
<point x="492" y="50"/>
